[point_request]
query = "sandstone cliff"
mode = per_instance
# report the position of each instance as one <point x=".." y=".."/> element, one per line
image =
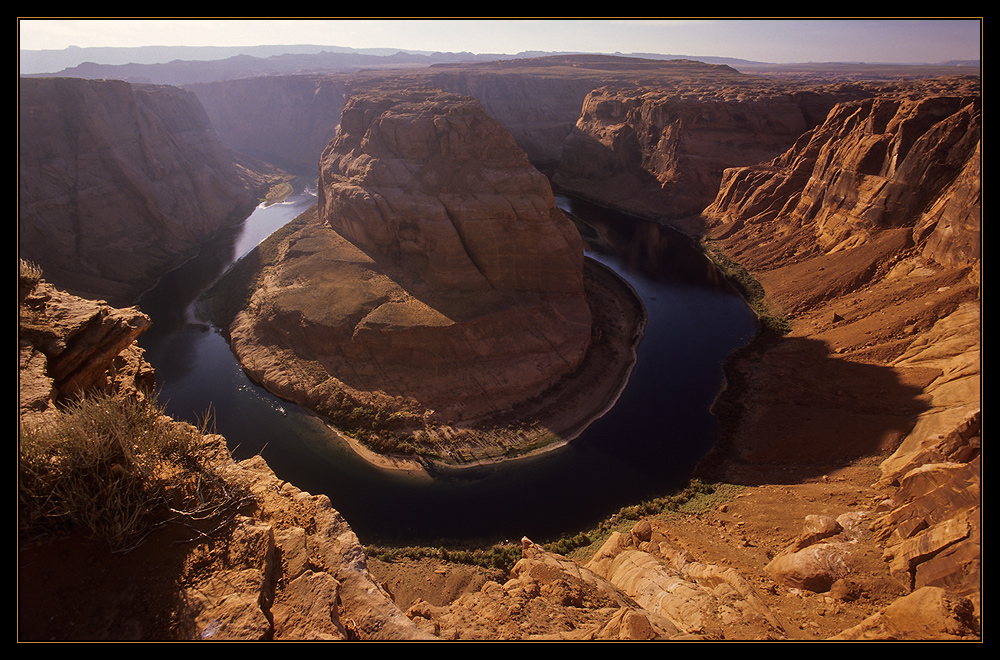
<point x="291" y="118"/>
<point x="867" y="233"/>
<point x="660" y="151"/>
<point x="432" y="181"/>
<point x="664" y="149"/>
<point x="282" y="564"/>
<point x="438" y="285"/>
<point x="286" y="120"/>
<point x="118" y="183"/>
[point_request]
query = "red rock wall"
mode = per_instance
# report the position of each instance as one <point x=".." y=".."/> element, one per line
<point x="873" y="165"/>
<point x="286" y="120"/>
<point x="433" y="180"/>
<point x="118" y="183"/>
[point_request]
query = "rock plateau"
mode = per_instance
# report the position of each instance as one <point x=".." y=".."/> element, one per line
<point x="438" y="284"/>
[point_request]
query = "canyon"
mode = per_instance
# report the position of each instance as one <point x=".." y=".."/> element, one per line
<point x="849" y="446"/>
<point x="437" y="290"/>
<point x="120" y="183"/>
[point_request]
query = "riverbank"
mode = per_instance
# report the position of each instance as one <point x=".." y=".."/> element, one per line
<point x="554" y="419"/>
<point x="549" y="421"/>
<point x="391" y="431"/>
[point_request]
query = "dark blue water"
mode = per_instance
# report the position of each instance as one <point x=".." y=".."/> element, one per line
<point x="646" y="446"/>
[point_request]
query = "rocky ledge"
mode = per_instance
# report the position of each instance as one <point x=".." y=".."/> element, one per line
<point x="435" y="288"/>
<point x="69" y="345"/>
<point x="283" y="564"/>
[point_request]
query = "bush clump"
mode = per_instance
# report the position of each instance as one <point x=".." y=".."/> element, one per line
<point x="110" y="468"/>
<point x="500" y="556"/>
<point x="28" y="274"/>
<point x="775" y="323"/>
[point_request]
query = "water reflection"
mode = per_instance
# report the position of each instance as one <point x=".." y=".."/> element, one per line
<point x="646" y="248"/>
<point x="644" y="447"/>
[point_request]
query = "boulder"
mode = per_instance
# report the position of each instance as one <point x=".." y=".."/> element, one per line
<point x="927" y="614"/>
<point x="69" y="345"/>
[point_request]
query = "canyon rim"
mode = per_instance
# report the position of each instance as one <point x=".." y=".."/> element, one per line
<point x="848" y="468"/>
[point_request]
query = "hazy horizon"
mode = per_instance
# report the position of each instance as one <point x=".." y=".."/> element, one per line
<point x="898" y="41"/>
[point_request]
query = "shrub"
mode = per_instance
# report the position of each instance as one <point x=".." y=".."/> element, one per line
<point x="500" y="556"/>
<point x="28" y="273"/>
<point x="28" y="276"/>
<point x="110" y="468"/>
<point x="775" y="323"/>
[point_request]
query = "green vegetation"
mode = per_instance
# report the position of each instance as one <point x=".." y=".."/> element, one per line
<point x="279" y="192"/>
<point x="112" y="469"/>
<point x="772" y="322"/>
<point x="501" y="556"/>
<point x="696" y="497"/>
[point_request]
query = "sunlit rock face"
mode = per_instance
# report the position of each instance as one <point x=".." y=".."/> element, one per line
<point x="433" y="181"/>
<point x="876" y="165"/>
<point x="869" y="231"/>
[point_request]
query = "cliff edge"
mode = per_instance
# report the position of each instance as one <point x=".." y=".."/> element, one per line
<point x="222" y="550"/>
<point x="867" y="234"/>
<point x="119" y="183"/>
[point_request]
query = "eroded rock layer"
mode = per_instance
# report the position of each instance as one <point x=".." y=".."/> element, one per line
<point x="68" y="346"/>
<point x="661" y="150"/>
<point x="867" y="233"/>
<point x="432" y="182"/>
<point x="438" y="281"/>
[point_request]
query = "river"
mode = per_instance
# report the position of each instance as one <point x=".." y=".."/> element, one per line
<point x="646" y="446"/>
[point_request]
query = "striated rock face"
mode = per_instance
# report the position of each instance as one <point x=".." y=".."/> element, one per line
<point x="668" y="147"/>
<point x="68" y="346"/>
<point x="119" y="183"/>
<point x="431" y="181"/>
<point x="876" y="165"/>
<point x="867" y="232"/>
<point x="439" y="278"/>
<point x="662" y="150"/>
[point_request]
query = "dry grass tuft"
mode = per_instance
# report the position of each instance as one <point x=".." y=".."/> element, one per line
<point x="112" y="469"/>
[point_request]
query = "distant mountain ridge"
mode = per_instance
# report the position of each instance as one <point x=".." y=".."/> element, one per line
<point x="55" y="60"/>
<point x="181" y="65"/>
<point x="52" y="60"/>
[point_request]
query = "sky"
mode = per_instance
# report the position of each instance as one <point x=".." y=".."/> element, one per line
<point x="910" y="41"/>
